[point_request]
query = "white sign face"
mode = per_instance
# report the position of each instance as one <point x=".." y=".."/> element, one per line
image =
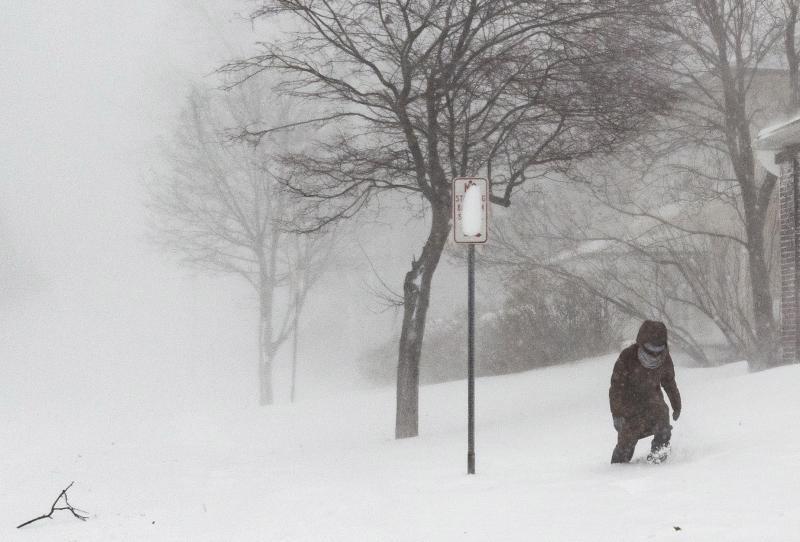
<point x="470" y="209"/>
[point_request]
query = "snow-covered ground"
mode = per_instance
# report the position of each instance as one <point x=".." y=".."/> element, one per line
<point x="330" y="469"/>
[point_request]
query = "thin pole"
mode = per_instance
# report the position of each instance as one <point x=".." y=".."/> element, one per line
<point x="471" y="360"/>
<point x="794" y="242"/>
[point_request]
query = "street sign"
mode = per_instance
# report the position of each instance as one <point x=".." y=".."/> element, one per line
<point x="470" y="223"/>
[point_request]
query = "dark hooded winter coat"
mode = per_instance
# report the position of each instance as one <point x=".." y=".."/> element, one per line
<point x="636" y="390"/>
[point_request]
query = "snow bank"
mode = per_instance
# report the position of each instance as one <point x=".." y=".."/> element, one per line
<point x="332" y="471"/>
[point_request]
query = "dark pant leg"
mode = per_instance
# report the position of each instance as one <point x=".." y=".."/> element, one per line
<point x="623" y="451"/>
<point x="627" y="437"/>
<point x="661" y="428"/>
<point x="654" y="420"/>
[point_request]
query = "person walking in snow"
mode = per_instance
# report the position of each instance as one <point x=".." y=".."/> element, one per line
<point x="637" y="404"/>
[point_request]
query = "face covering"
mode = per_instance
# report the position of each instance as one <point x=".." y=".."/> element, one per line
<point x="652" y="356"/>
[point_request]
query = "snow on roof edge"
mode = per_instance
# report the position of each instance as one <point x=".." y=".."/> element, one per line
<point x="776" y="135"/>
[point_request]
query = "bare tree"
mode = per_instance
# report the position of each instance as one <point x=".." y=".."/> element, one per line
<point x="790" y="12"/>
<point x="697" y="211"/>
<point x="421" y="92"/>
<point x="662" y="245"/>
<point x="724" y="43"/>
<point x="221" y="209"/>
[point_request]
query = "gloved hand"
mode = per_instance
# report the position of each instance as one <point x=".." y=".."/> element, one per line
<point x="676" y="414"/>
<point x="619" y="422"/>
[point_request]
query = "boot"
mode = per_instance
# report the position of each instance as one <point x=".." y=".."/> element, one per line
<point x="658" y="453"/>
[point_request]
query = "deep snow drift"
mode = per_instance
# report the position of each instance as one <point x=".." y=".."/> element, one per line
<point x="330" y="470"/>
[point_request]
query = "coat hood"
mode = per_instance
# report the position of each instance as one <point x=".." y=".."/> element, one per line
<point x="652" y="332"/>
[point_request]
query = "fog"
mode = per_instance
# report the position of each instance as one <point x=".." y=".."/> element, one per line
<point x="137" y="376"/>
<point x="93" y="315"/>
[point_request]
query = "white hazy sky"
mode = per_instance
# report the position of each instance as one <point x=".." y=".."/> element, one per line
<point x="87" y="90"/>
<point x="88" y="308"/>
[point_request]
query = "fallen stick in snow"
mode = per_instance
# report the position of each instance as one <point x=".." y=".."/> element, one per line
<point x="62" y="495"/>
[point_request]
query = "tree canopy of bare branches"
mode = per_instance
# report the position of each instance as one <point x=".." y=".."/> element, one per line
<point x="688" y="205"/>
<point x="221" y="209"/>
<point x="416" y="93"/>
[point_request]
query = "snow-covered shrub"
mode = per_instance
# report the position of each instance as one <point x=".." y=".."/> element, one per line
<point x="543" y="322"/>
<point x="546" y="321"/>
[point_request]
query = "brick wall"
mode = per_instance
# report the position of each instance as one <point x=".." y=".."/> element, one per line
<point x="789" y="255"/>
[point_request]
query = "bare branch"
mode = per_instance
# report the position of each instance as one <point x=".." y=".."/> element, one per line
<point x="76" y="512"/>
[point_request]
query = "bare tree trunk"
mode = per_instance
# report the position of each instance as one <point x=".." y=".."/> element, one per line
<point x="755" y="203"/>
<point x="296" y="326"/>
<point x="416" y="296"/>
<point x="267" y="264"/>
<point x="265" y="347"/>
<point x="765" y="352"/>
<point x="265" y="360"/>
<point x="265" y="380"/>
<point x="792" y="57"/>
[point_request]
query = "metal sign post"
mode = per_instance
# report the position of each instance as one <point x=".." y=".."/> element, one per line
<point x="471" y="360"/>
<point x="470" y="218"/>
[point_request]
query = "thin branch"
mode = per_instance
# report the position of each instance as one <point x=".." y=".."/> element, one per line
<point x="77" y="512"/>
